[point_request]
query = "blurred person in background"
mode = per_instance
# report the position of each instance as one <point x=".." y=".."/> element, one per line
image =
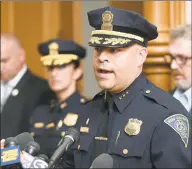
<point x="180" y="52"/>
<point x="51" y="120"/>
<point x="20" y="89"/>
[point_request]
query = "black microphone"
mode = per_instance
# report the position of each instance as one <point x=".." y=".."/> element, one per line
<point x="32" y="148"/>
<point x="10" y="155"/>
<point x="10" y="141"/>
<point x="103" y="161"/>
<point x="29" y="160"/>
<point x="23" y="139"/>
<point x="43" y="157"/>
<point x="71" y="137"/>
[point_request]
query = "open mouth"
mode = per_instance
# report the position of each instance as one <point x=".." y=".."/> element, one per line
<point x="104" y="71"/>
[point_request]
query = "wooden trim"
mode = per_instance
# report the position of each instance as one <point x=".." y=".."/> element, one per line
<point x="177" y="13"/>
<point x="78" y="32"/>
<point x="11" y="16"/>
<point x="50" y="22"/>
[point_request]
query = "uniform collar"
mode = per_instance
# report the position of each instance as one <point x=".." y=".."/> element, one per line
<point x="70" y="99"/>
<point x="125" y="97"/>
<point x="65" y="103"/>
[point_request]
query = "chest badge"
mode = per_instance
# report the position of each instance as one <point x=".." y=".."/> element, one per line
<point x="70" y="119"/>
<point x="133" y="126"/>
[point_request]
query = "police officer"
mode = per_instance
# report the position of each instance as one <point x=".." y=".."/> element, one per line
<point x="134" y="121"/>
<point x="50" y="121"/>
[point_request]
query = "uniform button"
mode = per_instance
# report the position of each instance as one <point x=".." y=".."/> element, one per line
<point x="63" y="105"/>
<point x="82" y="100"/>
<point x="125" y="151"/>
<point x="147" y="91"/>
<point x="62" y="134"/>
<point x="120" y="98"/>
<point x="32" y="134"/>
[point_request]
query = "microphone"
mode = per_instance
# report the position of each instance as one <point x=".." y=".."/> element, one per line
<point x="10" y="157"/>
<point x="71" y="137"/>
<point x="39" y="162"/>
<point x="10" y="141"/>
<point x="23" y="139"/>
<point x="43" y="157"/>
<point x="26" y="159"/>
<point x="32" y="148"/>
<point x="103" y="161"/>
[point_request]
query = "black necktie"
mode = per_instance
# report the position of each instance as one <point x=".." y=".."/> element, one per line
<point x="110" y="104"/>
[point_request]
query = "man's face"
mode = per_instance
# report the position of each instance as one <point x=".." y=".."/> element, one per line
<point x="116" y="69"/>
<point x="11" y="60"/>
<point x="61" y="78"/>
<point x="181" y="49"/>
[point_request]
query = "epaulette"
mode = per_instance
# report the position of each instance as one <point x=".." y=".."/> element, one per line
<point x="161" y="97"/>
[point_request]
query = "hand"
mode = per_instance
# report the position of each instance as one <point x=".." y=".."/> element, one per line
<point x="2" y="143"/>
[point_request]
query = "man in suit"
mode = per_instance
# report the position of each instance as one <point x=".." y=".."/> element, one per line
<point x="180" y="52"/>
<point x="20" y="89"/>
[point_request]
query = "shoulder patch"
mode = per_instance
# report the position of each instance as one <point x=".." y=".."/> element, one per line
<point x="180" y="124"/>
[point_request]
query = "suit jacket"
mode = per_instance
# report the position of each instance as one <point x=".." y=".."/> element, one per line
<point x="18" y="108"/>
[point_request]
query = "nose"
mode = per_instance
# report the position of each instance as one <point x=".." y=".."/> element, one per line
<point x="53" y="72"/>
<point x="104" y="55"/>
<point x="174" y="65"/>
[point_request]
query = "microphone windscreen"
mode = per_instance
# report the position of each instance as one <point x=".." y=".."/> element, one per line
<point x="103" y="161"/>
<point x="10" y="141"/>
<point x="32" y="148"/>
<point x="23" y="139"/>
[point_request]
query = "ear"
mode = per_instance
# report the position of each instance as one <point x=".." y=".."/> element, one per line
<point x="77" y="73"/>
<point x="142" y="55"/>
<point x="22" y="55"/>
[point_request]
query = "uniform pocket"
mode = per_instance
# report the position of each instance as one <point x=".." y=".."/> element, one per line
<point x="84" y="143"/>
<point x="129" y="147"/>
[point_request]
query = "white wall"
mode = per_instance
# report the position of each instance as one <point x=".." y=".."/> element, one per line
<point x="90" y="84"/>
<point x="188" y="12"/>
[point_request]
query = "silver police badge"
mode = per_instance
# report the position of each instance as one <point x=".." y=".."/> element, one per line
<point x="180" y="124"/>
<point x="133" y="127"/>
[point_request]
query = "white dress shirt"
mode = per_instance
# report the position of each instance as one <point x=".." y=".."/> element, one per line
<point x="7" y="87"/>
<point x="184" y="98"/>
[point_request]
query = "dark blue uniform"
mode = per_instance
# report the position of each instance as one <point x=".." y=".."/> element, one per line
<point x="140" y="127"/>
<point x="50" y="122"/>
<point x="147" y="129"/>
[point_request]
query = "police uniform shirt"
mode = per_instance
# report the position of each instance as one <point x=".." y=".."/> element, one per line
<point x="150" y="130"/>
<point x="106" y="116"/>
<point x="50" y="122"/>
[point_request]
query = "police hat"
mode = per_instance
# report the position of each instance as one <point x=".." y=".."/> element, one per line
<point x="57" y="52"/>
<point x="119" y="28"/>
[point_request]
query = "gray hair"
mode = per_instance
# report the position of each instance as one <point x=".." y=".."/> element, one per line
<point x="182" y="31"/>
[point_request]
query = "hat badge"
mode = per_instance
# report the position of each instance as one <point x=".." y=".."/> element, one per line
<point x="133" y="127"/>
<point x="53" y="48"/>
<point x="107" y="19"/>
